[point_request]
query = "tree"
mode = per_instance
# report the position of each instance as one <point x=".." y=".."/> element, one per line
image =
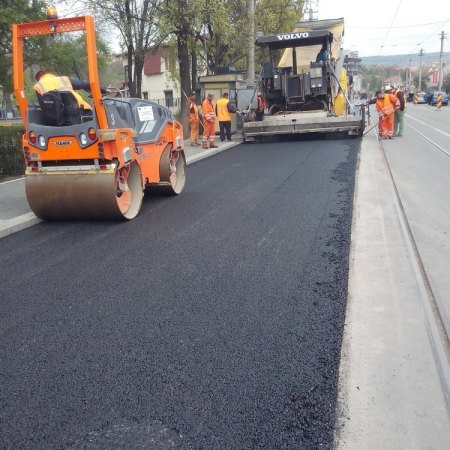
<point x="181" y="26"/>
<point x="226" y="37"/>
<point x="14" y="11"/>
<point x="183" y="20"/>
<point x="373" y="77"/>
<point x="446" y="83"/>
<point x="218" y="30"/>
<point x="424" y="84"/>
<point x="134" y="20"/>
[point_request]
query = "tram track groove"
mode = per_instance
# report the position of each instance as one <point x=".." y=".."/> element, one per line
<point x="437" y="331"/>
<point x="434" y="120"/>
<point x="445" y="152"/>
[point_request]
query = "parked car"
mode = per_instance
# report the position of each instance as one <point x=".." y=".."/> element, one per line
<point x="421" y="97"/>
<point x="444" y="98"/>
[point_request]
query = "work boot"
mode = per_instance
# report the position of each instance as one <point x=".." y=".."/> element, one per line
<point x="213" y="146"/>
<point x="193" y="144"/>
<point x="398" y="135"/>
<point x="204" y="146"/>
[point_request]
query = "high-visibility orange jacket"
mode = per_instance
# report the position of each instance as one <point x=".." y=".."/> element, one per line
<point x="387" y="105"/>
<point x="223" y="114"/>
<point x="208" y="110"/>
<point x="260" y="105"/>
<point x="192" y="108"/>
<point x="50" y="82"/>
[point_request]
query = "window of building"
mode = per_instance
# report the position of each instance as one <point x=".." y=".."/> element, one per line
<point x="166" y="64"/>
<point x="145" y="95"/>
<point x="169" y="98"/>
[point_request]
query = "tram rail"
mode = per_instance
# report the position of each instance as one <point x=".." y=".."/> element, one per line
<point x="438" y="332"/>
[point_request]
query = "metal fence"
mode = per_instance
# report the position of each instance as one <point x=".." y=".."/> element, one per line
<point x="11" y="156"/>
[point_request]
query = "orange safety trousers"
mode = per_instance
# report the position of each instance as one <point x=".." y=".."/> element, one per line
<point x="194" y="124"/>
<point x="209" y="132"/>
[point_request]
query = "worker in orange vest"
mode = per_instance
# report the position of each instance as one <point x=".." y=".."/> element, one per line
<point x="209" y="122"/>
<point x="386" y="105"/>
<point x="260" y="109"/>
<point x="192" y="113"/>
<point x="224" y="108"/>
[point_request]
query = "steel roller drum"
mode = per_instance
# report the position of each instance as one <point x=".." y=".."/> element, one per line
<point x="77" y="195"/>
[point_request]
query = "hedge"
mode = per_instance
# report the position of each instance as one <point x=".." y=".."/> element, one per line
<point x="11" y="156"/>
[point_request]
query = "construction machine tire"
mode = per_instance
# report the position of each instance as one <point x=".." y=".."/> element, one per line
<point x="172" y="173"/>
<point x="84" y="196"/>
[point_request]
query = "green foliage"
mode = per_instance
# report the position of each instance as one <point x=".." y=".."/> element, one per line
<point x="66" y="55"/>
<point x="424" y="82"/>
<point x="373" y="77"/>
<point x="446" y="84"/>
<point x="135" y="22"/>
<point x="221" y="28"/>
<point x="63" y="55"/>
<point x="11" y="156"/>
<point x="15" y="11"/>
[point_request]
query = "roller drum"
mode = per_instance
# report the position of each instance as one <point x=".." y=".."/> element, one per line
<point x="84" y="196"/>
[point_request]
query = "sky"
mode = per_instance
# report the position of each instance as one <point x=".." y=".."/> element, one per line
<point x="389" y="27"/>
<point x="384" y="27"/>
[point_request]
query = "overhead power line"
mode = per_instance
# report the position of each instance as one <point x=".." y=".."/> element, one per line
<point x="390" y="26"/>
<point x="420" y="43"/>
<point x="404" y="26"/>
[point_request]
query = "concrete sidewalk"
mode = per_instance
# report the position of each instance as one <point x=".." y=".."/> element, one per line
<point x="15" y="214"/>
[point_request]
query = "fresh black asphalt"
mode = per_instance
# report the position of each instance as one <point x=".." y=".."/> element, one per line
<point x="213" y="320"/>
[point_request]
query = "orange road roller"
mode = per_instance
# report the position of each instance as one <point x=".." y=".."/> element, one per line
<point x="94" y="164"/>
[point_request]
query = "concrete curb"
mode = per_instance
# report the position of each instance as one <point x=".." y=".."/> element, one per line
<point x="8" y="227"/>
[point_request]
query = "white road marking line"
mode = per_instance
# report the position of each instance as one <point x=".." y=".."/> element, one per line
<point x="446" y="134"/>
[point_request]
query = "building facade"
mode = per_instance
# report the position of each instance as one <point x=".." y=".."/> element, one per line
<point x="157" y="84"/>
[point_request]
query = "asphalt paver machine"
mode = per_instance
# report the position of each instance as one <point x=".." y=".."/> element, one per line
<point x="303" y="95"/>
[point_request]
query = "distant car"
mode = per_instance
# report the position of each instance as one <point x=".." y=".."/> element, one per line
<point x="435" y="97"/>
<point x="421" y="97"/>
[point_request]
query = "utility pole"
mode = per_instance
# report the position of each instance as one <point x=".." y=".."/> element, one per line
<point x="441" y="68"/>
<point x="310" y="10"/>
<point x="410" y="61"/>
<point x="251" y="44"/>
<point x="420" y="70"/>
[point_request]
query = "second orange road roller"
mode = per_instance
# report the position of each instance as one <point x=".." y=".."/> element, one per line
<point x="96" y="165"/>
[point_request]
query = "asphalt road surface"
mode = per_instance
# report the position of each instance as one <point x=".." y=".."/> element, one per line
<point x="213" y="320"/>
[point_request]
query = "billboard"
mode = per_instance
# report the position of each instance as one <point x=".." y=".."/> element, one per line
<point x="434" y="77"/>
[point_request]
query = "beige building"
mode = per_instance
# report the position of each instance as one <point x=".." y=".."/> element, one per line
<point x="157" y="84"/>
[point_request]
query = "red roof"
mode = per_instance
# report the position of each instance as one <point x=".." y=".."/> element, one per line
<point x="152" y="63"/>
<point x="393" y="80"/>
